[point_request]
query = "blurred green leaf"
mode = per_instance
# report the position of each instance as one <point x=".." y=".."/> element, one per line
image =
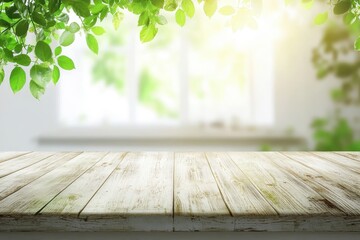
<point x="342" y="7"/>
<point x="65" y="63"/>
<point x="98" y="30"/>
<point x="56" y="75"/>
<point x="2" y="75"/>
<point x="148" y="33"/>
<point x="188" y="7"/>
<point x="43" y="51"/>
<point x="210" y="7"/>
<point x="92" y="43"/>
<point x="180" y="17"/>
<point x="36" y="90"/>
<point x="22" y="59"/>
<point x="67" y="38"/>
<point x="321" y="18"/>
<point x="41" y="74"/>
<point x="17" y="79"/>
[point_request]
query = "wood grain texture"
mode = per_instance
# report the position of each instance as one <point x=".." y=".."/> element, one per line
<point x="151" y="191"/>
<point x="287" y="194"/>
<point x="344" y="177"/>
<point x="343" y="161"/>
<point x="240" y="195"/>
<point x="30" y="199"/>
<point x="334" y="195"/>
<point x="352" y="155"/>
<point x="21" y="162"/>
<point x="137" y="190"/>
<point x="74" y="198"/>
<point x="5" y="156"/>
<point x="198" y="204"/>
<point x="15" y="181"/>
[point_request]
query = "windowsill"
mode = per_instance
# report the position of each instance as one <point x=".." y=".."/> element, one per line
<point x="166" y="136"/>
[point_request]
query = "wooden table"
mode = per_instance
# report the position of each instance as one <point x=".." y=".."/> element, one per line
<point x="166" y="191"/>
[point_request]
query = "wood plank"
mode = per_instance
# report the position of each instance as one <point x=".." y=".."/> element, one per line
<point x="138" y="193"/>
<point x="74" y="198"/>
<point x="344" y="177"/>
<point x="5" y="156"/>
<point x="198" y="204"/>
<point x="326" y="185"/>
<point x="30" y="199"/>
<point x="290" y="196"/>
<point x="240" y="195"/>
<point x="352" y="155"/>
<point x="21" y="162"/>
<point x="343" y="161"/>
<point x="15" y="181"/>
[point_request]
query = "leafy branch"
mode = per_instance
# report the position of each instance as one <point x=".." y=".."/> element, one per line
<point x="29" y="29"/>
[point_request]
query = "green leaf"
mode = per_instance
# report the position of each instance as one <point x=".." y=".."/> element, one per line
<point x="98" y="30"/>
<point x="17" y="79"/>
<point x="58" y="51"/>
<point x="188" y="7"/>
<point x="357" y="44"/>
<point x="342" y="7"/>
<point x="117" y="19"/>
<point x="170" y="5"/>
<point x="321" y="18"/>
<point x="148" y="33"/>
<point x="66" y="38"/>
<point x="56" y="75"/>
<point x="158" y="3"/>
<point x="180" y="17"/>
<point x="41" y="74"/>
<point x="144" y="19"/>
<point x="4" y="23"/>
<point x="80" y="7"/>
<point x="36" y="90"/>
<point x="2" y="75"/>
<point x="74" y="27"/>
<point x="65" y="62"/>
<point x="307" y="4"/>
<point x="210" y="7"/>
<point x="161" y="20"/>
<point x="43" y="51"/>
<point x="54" y="5"/>
<point x="22" y="28"/>
<point x="92" y="43"/>
<point x="22" y="59"/>
<point x="227" y="10"/>
<point x="38" y="18"/>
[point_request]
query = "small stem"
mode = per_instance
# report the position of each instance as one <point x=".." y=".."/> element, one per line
<point x="8" y="28"/>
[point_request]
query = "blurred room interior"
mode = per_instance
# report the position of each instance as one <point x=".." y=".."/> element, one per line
<point x="200" y="87"/>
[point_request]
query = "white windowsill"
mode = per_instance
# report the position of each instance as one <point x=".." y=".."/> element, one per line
<point x="166" y="136"/>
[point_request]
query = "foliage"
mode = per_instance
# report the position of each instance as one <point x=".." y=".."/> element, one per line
<point x="334" y="134"/>
<point x="335" y="57"/>
<point x="149" y="87"/>
<point x="33" y="32"/>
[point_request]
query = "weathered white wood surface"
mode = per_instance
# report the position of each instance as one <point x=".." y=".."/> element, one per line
<point x="151" y="191"/>
<point x="23" y="161"/>
<point x="137" y="194"/>
<point x="30" y="199"/>
<point x="287" y="194"/>
<point x="198" y="204"/>
<point x="4" y="156"/>
<point x="13" y="182"/>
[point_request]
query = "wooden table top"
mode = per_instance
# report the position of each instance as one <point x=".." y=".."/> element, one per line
<point x="167" y="191"/>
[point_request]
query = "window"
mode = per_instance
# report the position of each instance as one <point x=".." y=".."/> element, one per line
<point x="202" y="74"/>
